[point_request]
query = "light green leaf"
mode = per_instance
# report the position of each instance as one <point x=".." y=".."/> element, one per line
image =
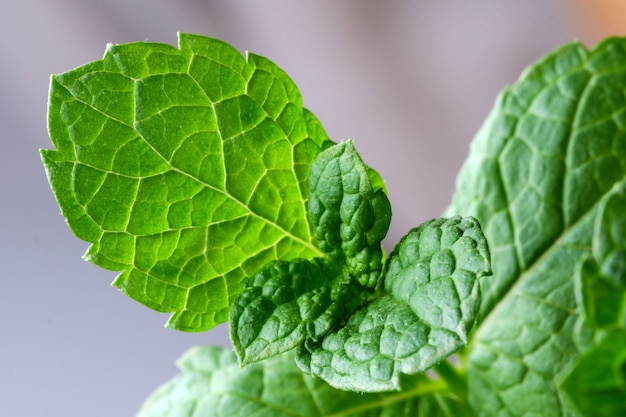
<point x="186" y="169"/>
<point x="548" y="157"/>
<point x="290" y="302"/>
<point x="211" y="384"/>
<point x="432" y="297"/>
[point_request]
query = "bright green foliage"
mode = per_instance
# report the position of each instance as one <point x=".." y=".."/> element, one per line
<point x="287" y="303"/>
<point x="198" y="174"/>
<point x="542" y="178"/>
<point x="186" y="169"/>
<point x="432" y="296"/>
<point x="211" y="384"/>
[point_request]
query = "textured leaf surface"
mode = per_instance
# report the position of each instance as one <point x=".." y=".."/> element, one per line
<point x="547" y="159"/>
<point x="349" y="211"/>
<point x="290" y="302"/>
<point x="186" y="169"/>
<point x="597" y="383"/>
<point x="432" y="297"/>
<point x="211" y="384"/>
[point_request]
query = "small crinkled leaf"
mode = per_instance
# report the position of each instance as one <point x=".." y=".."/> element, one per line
<point x="287" y="302"/>
<point x="602" y="301"/>
<point x="186" y="169"/>
<point x="290" y="302"/>
<point x="349" y="211"/>
<point x="597" y="385"/>
<point x="211" y="384"/>
<point x="548" y="157"/>
<point x="609" y="241"/>
<point x="432" y="297"/>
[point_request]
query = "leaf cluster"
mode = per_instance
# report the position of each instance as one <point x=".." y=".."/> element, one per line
<point x="197" y="173"/>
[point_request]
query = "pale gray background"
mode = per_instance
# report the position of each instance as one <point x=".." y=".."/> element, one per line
<point x="410" y="82"/>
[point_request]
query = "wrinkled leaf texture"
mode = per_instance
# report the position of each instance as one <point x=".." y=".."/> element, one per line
<point x="423" y="312"/>
<point x="186" y="169"/>
<point x="287" y="303"/>
<point x="545" y="177"/>
<point x="426" y="312"/>
<point x="211" y="384"/>
<point x="540" y="175"/>
<point x="540" y="172"/>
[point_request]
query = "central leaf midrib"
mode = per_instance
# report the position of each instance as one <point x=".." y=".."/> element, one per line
<point x="246" y="82"/>
<point x="555" y="244"/>
<point x="301" y="241"/>
<point x="573" y="125"/>
<point x="432" y="387"/>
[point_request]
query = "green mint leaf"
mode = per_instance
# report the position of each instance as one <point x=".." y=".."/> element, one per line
<point x="597" y="385"/>
<point x="609" y="243"/>
<point x="548" y="158"/>
<point x="211" y="384"/>
<point x="602" y="303"/>
<point x="432" y="297"/>
<point x="186" y="169"/>
<point x="349" y="211"/>
<point x="290" y="302"/>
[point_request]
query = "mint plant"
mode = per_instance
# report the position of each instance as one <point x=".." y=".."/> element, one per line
<point x="197" y="173"/>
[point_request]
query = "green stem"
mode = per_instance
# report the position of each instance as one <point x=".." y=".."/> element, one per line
<point x="454" y="378"/>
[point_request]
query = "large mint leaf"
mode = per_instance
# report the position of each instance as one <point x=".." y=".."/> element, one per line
<point x="186" y="169"/>
<point x="601" y="280"/>
<point x="290" y="302"/>
<point x="211" y="384"/>
<point x="545" y="161"/>
<point x="429" y="307"/>
<point x="602" y="303"/>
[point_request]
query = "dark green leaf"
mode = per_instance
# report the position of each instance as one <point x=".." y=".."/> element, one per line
<point x="609" y="241"/>
<point x="602" y="302"/>
<point x="432" y="297"/>
<point x="349" y="211"/>
<point x="597" y="385"/>
<point x="290" y="302"/>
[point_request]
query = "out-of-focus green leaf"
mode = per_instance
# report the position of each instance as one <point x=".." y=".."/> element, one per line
<point x="211" y="384"/>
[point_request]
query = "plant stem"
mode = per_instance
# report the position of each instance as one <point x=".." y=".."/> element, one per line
<point x="454" y="377"/>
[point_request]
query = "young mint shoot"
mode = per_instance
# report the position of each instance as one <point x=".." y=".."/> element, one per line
<point x="197" y="174"/>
